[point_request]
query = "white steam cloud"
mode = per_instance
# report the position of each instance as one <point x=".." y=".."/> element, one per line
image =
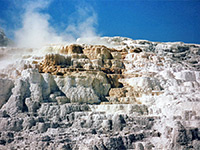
<point x="36" y="31"/>
<point x="84" y="25"/>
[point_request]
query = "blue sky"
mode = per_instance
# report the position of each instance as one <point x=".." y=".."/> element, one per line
<point x="154" y="20"/>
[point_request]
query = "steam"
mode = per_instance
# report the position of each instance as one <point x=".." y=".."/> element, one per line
<point x="36" y="31"/>
<point x="83" y="28"/>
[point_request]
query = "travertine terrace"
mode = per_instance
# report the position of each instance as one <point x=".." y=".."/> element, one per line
<point x="125" y="94"/>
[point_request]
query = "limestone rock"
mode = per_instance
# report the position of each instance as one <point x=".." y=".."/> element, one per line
<point x="72" y="49"/>
<point x="82" y="95"/>
<point x="6" y="137"/>
<point x="140" y="146"/>
<point x="28" y="123"/>
<point x="42" y="127"/>
<point x="144" y="84"/>
<point x="62" y="100"/>
<point x="32" y="75"/>
<point x="3" y="114"/>
<point x="60" y="110"/>
<point x="118" y="122"/>
<point x="52" y="97"/>
<point x="117" y="92"/>
<point x="16" y="102"/>
<point x="114" y="143"/>
<point x="186" y="75"/>
<point x="11" y="124"/>
<point x="196" y="144"/>
<point x="51" y="62"/>
<point x="116" y="55"/>
<point x="95" y="52"/>
<point x="136" y="50"/>
<point x="36" y="92"/>
<point x="132" y="94"/>
<point x="5" y="90"/>
<point x="114" y="80"/>
<point x="32" y="105"/>
<point x="182" y="136"/>
<point x="48" y="85"/>
<point x="82" y="87"/>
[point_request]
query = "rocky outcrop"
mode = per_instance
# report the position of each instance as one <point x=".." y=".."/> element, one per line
<point x="84" y="87"/>
<point x="85" y="75"/>
<point x="5" y="90"/>
<point x="72" y="49"/>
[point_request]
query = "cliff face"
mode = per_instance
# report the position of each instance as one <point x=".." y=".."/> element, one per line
<point x="129" y="94"/>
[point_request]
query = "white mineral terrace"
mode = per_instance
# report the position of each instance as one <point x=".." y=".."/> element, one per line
<point x="117" y="93"/>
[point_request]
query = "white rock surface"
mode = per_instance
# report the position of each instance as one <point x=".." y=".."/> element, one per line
<point x="5" y="90"/>
<point x="115" y="99"/>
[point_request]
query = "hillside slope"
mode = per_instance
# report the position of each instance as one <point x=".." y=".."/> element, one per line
<point x="124" y="94"/>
